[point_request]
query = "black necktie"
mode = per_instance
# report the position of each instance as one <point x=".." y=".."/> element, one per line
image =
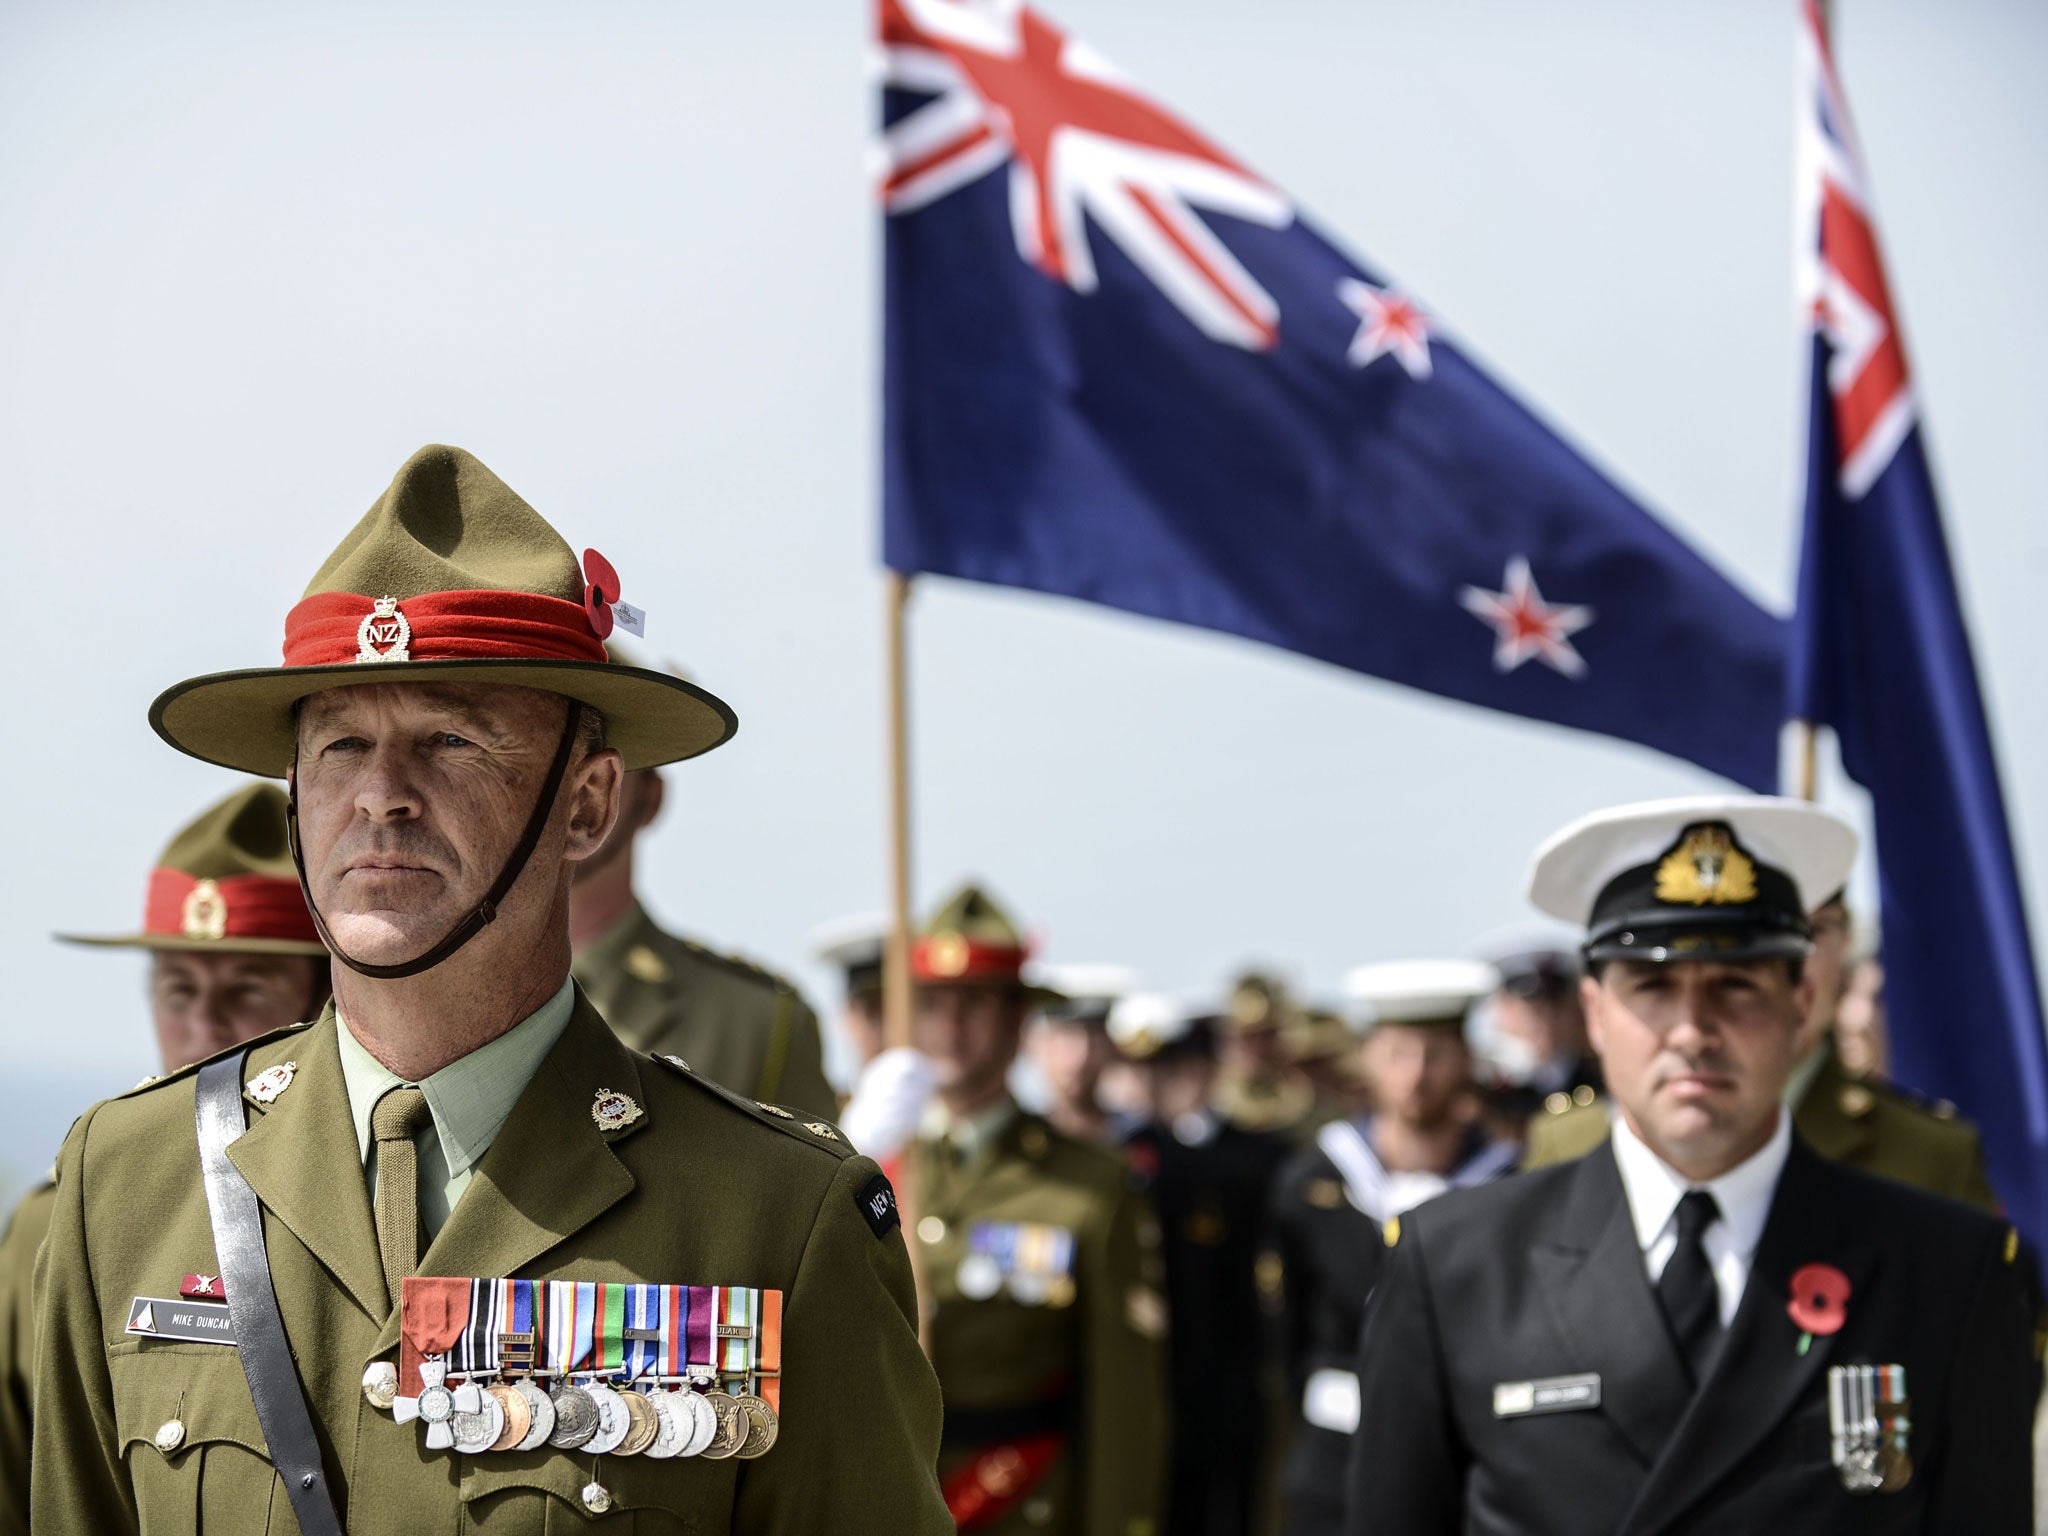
<point x="1691" y="1300"/>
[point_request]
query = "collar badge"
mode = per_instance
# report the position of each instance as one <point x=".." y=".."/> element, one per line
<point x="267" y="1086"/>
<point x="613" y="1111"/>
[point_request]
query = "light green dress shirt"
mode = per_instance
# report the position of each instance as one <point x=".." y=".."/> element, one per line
<point x="469" y="1099"/>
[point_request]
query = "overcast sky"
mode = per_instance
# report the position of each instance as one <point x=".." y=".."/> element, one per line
<point x="252" y="255"/>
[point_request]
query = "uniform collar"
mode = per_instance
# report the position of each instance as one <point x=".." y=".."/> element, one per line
<point x="607" y="950"/>
<point x="1743" y="1193"/>
<point x="972" y="1136"/>
<point x="472" y="1095"/>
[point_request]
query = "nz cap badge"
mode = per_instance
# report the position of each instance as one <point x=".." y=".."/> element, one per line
<point x="384" y="625"/>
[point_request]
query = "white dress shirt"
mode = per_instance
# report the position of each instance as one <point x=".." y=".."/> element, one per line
<point x="1743" y="1194"/>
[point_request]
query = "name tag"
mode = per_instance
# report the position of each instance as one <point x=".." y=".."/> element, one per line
<point x="1552" y="1394"/>
<point x="194" y="1322"/>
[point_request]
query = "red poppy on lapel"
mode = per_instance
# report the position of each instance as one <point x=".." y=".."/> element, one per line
<point x="1819" y="1298"/>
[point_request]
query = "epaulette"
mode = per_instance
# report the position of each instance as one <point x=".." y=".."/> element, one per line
<point x="158" y="1080"/>
<point x="821" y="1134"/>
<point x="736" y="964"/>
<point x="1897" y="1094"/>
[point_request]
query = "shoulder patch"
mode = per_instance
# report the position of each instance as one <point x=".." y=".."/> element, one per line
<point x="818" y="1134"/>
<point x="877" y="1202"/>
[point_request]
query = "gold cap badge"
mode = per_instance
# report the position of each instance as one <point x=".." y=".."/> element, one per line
<point x="1706" y="869"/>
<point x="384" y="625"/>
<point x="947" y="955"/>
<point x="205" y="915"/>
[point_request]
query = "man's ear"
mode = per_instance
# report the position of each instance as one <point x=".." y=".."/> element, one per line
<point x="1593" y="1005"/>
<point x="594" y="793"/>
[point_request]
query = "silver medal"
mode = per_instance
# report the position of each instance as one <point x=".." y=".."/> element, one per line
<point x="978" y="1278"/>
<point x="475" y="1430"/>
<point x="612" y="1419"/>
<point x="700" y="1422"/>
<point x="543" y="1415"/>
<point x="668" y="1440"/>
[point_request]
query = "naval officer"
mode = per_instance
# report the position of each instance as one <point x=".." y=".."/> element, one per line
<point x="1704" y="1326"/>
<point x="384" y="1191"/>
<point x="232" y="955"/>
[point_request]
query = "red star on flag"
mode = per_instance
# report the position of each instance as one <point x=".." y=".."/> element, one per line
<point x="1525" y="626"/>
<point x="1389" y="324"/>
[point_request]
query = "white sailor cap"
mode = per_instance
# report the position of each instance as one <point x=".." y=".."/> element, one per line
<point x="1143" y="1024"/>
<point x="1419" y="991"/>
<point x="854" y="943"/>
<point x="1088" y="989"/>
<point x="1727" y="876"/>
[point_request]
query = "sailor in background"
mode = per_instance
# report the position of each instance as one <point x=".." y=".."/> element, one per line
<point x="1702" y="1327"/>
<point x="1208" y="1181"/>
<point x="1335" y="1202"/>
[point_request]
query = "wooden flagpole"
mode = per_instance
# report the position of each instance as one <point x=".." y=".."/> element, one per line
<point x="1806" y="771"/>
<point x="896" y="953"/>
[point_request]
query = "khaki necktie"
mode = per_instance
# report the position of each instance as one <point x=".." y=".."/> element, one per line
<point x="397" y="1118"/>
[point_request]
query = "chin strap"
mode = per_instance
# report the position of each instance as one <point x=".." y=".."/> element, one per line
<point x="486" y="910"/>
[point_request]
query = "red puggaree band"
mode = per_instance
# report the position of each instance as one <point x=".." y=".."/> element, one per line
<point x="948" y="957"/>
<point x="238" y="907"/>
<point x="326" y="629"/>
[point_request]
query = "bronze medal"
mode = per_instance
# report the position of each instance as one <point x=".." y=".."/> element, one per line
<point x="518" y="1416"/>
<point x="644" y="1426"/>
<point x="762" y="1427"/>
<point x="732" y="1427"/>
<point x="575" y="1417"/>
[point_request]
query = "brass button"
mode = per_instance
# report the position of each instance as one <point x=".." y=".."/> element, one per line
<point x="170" y="1436"/>
<point x="1583" y="1095"/>
<point x="595" y="1498"/>
<point x="1558" y="1103"/>
<point x="931" y="1230"/>
<point x="380" y="1385"/>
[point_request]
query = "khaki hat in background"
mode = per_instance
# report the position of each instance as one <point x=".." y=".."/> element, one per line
<point x="225" y="886"/>
<point x="970" y="941"/>
<point x="449" y="577"/>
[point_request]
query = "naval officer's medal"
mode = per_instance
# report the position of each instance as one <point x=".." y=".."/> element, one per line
<point x="1870" y="1427"/>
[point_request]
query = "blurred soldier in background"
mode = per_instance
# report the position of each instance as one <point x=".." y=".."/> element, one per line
<point x="233" y="955"/>
<point x="1862" y="1038"/>
<point x="853" y="946"/>
<point x="1334" y="1203"/>
<point x="1069" y="1045"/>
<point x="1258" y="1089"/>
<point x="1208" y="1181"/>
<point x="1322" y="1050"/>
<point x="1039" y="1267"/>
<point x="1540" y="1058"/>
<point x="1869" y="1125"/>
<point x="735" y="1023"/>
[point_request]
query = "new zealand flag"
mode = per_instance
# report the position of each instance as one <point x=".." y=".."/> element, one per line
<point x="1122" y="367"/>
<point x="1880" y="653"/>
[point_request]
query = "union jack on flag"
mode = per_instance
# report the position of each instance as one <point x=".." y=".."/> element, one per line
<point x="1122" y="366"/>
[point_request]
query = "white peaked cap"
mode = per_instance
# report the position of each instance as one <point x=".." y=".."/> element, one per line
<point x="1141" y="1023"/>
<point x="1409" y="991"/>
<point x="855" y="939"/>
<point x="1089" y="981"/>
<point x="1815" y="848"/>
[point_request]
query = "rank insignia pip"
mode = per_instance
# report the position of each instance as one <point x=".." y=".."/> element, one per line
<point x="613" y="1111"/>
<point x="267" y="1086"/>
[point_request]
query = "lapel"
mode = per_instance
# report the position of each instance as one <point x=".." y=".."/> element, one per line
<point x="290" y="1155"/>
<point x="1831" y="1130"/>
<point x="1008" y="1162"/>
<point x="1592" y="1280"/>
<point x="549" y="1173"/>
<point x="1759" y="1376"/>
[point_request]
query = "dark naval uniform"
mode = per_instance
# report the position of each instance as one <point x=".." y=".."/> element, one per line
<point x="1325" y="1246"/>
<point x="1040" y="1276"/>
<point x="733" y="1022"/>
<point x="1517" y="1375"/>
<point x="1872" y="1126"/>
<point x="1208" y="1183"/>
<point x="698" y="1187"/>
<point x="18" y="1246"/>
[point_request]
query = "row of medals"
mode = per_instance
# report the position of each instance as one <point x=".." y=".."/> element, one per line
<point x="651" y="1419"/>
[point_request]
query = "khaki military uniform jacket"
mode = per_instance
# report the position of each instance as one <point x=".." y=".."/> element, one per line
<point x="1085" y="1363"/>
<point x="1865" y="1125"/>
<point x="700" y="1189"/>
<point x="17" y="1351"/>
<point x="733" y="1022"/>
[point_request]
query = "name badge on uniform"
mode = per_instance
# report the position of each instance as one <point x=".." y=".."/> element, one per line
<point x="1550" y="1394"/>
<point x="192" y="1322"/>
<point x="1870" y="1426"/>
